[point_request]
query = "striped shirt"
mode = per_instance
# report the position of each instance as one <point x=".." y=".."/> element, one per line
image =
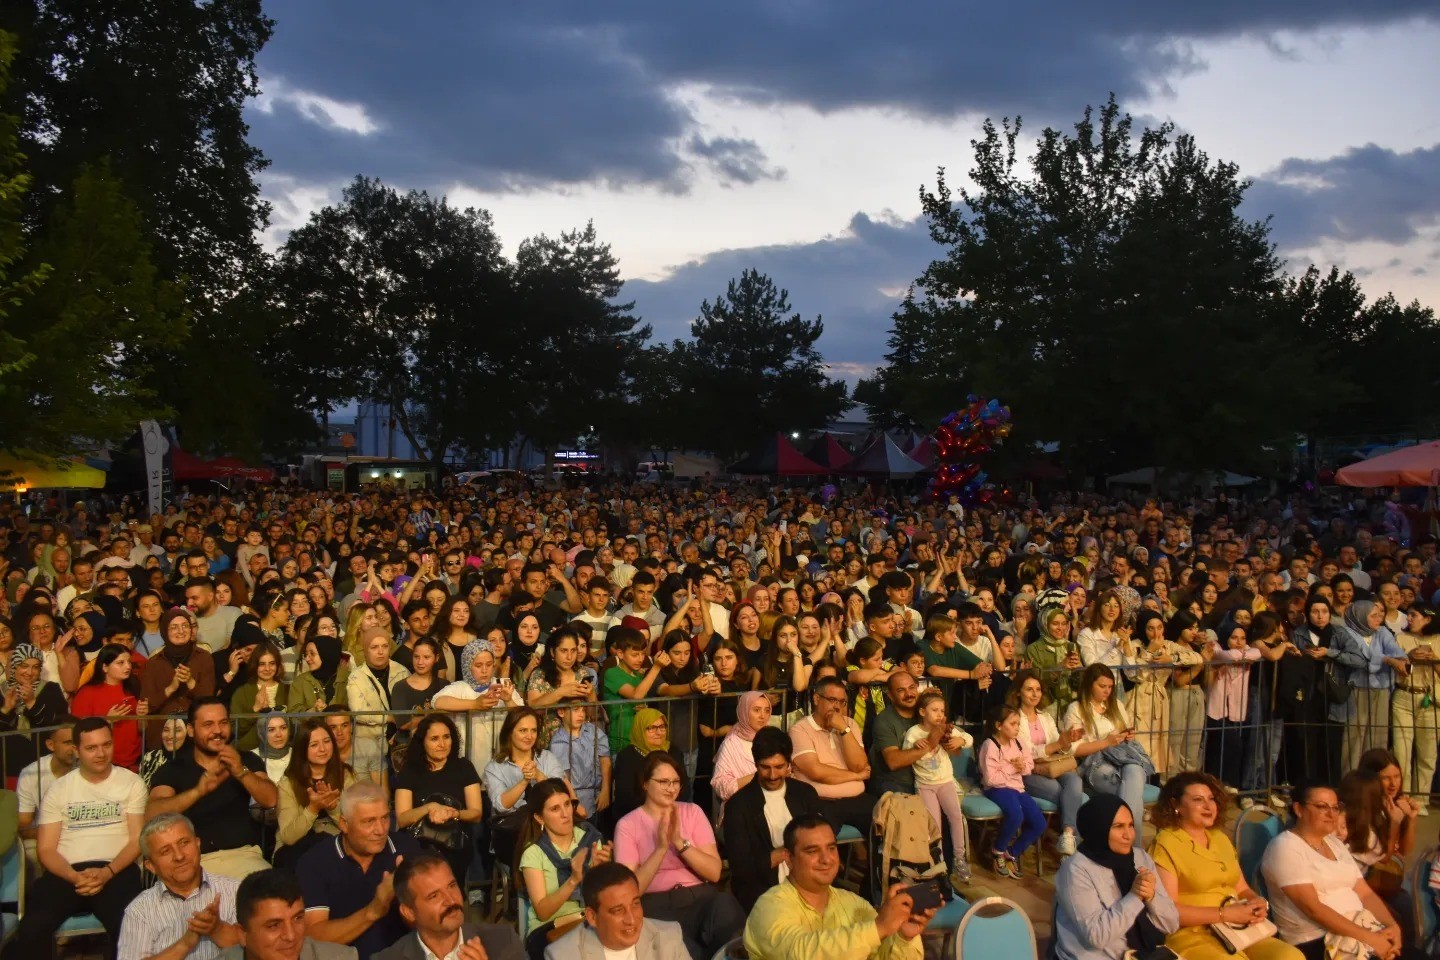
<point x="157" y="918"/>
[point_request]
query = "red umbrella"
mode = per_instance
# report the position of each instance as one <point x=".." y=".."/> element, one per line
<point x="1417" y="466"/>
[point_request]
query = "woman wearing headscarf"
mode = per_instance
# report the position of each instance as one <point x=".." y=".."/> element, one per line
<point x="734" y="763"/>
<point x="1379" y="658"/>
<point x="322" y="681"/>
<point x="90" y="628"/>
<point x="649" y="732"/>
<point x="1108" y="898"/>
<point x="1055" y="657"/>
<point x="1314" y="723"/>
<point x="29" y="703"/>
<point x="181" y="673"/>
<point x="477" y="701"/>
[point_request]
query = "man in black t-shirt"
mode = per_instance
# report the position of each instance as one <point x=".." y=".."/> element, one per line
<point x="213" y="784"/>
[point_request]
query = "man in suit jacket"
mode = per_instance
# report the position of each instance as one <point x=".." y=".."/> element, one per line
<point x="615" y="920"/>
<point x="755" y="818"/>
<point x="431" y="901"/>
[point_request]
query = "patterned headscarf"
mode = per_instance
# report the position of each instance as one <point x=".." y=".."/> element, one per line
<point x="23" y="652"/>
<point x="467" y="659"/>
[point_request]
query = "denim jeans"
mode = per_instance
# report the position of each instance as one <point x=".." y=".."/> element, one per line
<point x="1132" y="789"/>
<point x="1068" y="793"/>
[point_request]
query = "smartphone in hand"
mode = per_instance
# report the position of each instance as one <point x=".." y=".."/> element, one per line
<point x="925" y="896"/>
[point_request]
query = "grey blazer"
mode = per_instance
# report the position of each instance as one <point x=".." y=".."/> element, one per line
<point x="501" y="943"/>
<point x="659" y="940"/>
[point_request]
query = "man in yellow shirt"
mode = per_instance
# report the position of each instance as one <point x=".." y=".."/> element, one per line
<point x="805" y="917"/>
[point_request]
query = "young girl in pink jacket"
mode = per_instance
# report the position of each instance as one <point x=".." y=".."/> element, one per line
<point x="1004" y="762"/>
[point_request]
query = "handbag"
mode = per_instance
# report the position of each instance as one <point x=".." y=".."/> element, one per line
<point x="1237" y="938"/>
<point x="1056" y="765"/>
<point x="449" y="837"/>
<point x="1337" y="688"/>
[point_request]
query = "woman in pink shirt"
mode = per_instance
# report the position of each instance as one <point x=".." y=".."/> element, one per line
<point x="1004" y="762"/>
<point x="1227" y="701"/>
<point x="671" y="847"/>
<point x="734" y="764"/>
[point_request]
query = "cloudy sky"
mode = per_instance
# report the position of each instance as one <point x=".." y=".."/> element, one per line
<point x="794" y="135"/>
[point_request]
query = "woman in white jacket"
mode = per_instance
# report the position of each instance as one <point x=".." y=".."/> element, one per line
<point x="368" y="694"/>
<point x="1040" y="735"/>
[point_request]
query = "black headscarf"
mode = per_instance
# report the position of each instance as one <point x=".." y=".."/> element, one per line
<point x="1093" y="823"/>
<point x="329" y="650"/>
<point x="1323" y="635"/>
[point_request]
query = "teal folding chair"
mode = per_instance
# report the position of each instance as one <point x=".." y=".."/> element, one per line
<point x="1254" y="829"/>
<point x="995" y="927"/>
<point x="978" y="809"/>
<point x="11" y="866"/>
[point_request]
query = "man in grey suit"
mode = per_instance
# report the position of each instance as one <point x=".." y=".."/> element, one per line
<point x="432" y="902"/>
<point x="615" y="921"/>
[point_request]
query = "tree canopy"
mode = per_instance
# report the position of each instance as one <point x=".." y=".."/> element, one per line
<point x="1109" y="289"/>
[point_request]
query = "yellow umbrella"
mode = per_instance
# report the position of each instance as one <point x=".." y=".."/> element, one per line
<point x="16" y="472"/>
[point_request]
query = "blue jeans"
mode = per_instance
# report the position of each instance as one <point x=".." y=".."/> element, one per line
<point x="1263" y="753"/>
<point x="1068" y="793"/>
<point x="1132" y="789"/>
<point x="1021" y="821"/>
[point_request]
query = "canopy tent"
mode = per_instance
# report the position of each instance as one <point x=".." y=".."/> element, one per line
<point x="827" y="452"/>
<point x="883" y="459"/>
<point x="185" y="466"/>
<point x="923" y="452"/>
<point x="68" y="473"/>
<point x="779" y="458"/>
<point x="1417" y="466"/>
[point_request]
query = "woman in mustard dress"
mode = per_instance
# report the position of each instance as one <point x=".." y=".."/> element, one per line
<point x="1201" y="872"/>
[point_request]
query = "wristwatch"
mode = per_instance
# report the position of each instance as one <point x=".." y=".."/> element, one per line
<point x="684" y="845"/>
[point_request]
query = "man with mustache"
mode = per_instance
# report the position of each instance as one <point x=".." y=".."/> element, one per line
<point x="432" y="902"/>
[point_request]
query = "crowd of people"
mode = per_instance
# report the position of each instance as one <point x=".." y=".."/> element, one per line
<point x="657" y="709"/>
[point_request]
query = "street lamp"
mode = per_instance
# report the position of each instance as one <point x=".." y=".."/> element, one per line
<point x="795" y="435"/>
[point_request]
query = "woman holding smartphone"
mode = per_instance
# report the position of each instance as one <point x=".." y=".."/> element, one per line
<point x="559" y="677"/>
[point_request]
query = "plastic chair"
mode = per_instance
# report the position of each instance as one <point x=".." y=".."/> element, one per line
<point x="995" y="927"/>
<point x="976" y="807"/>
<point x="1254" y="829"/>
<point x="1422" y="898"/>
<point x="80" y="925"/>
<point x="11" y="866"/>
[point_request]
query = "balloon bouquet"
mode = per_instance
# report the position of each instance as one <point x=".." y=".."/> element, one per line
<point x="963" y="438"/>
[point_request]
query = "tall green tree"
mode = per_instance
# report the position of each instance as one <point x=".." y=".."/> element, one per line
<point x="1109" y="290"/>
<point x="753" y="368"/>
<point x="580" y="343"/>
<point x="416" y="299"/>
<point x="94" y="329"/>
<point x="157" y="90"/>
<point x="17" y="281"/>
<point x="923" y="376"/>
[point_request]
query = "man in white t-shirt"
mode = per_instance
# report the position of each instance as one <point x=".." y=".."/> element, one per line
<point x="88" y="842"/>
<point x="36" y="778"/>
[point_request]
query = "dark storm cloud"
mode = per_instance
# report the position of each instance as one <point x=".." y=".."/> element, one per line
<point x="851" y="281"/>
<point x="1366" y="193"/>
<point x="734" y="160"/>
<point x="515" y="95"/>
